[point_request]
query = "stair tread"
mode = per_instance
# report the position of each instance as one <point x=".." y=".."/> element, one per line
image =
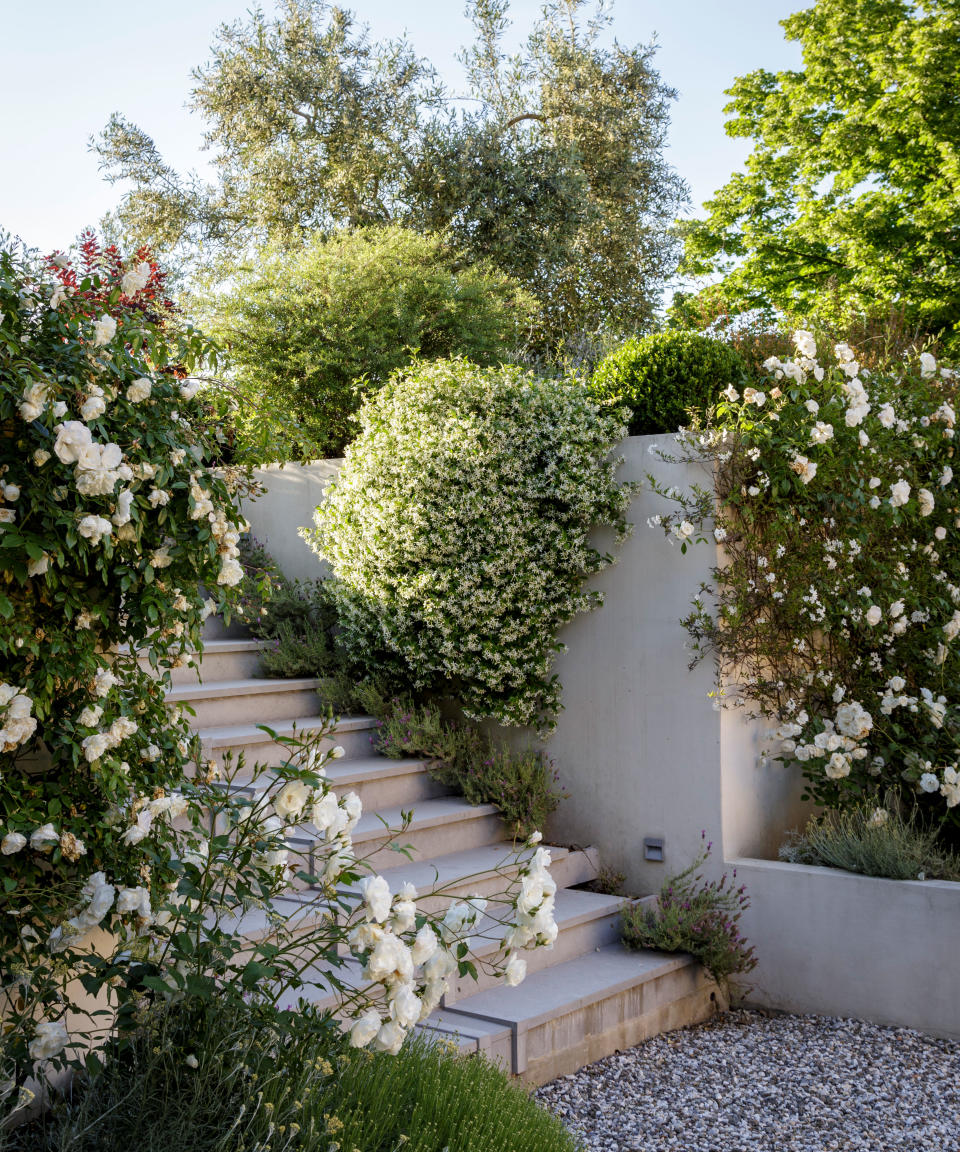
<point x="240" y="733"/>
<point x="454" y="867"/>
<point x="572" y="907"/>
<point x="350" y="771"/>
<point x="573" y="984"/>
<point x="249" y="686"/>
<point x="426" y="814"/>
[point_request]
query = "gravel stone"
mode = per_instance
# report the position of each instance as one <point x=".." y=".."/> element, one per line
<point x="753" y="1080"/>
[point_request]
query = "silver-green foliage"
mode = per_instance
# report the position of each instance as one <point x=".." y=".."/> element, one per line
<point x="459" y="531"/>
<point x="873" y="841"/>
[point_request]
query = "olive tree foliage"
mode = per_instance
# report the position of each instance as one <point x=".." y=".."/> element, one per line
<point x="848" y="204"/>
<point x="552" y="168"/>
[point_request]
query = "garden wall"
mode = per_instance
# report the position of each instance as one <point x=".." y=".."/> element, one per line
<point x="638" y="746"/>
<point x="291" y="492"/>
<point x="844" y="945"/>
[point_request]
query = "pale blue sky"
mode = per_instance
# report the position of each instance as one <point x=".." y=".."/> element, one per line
<point x="64" y="67"/>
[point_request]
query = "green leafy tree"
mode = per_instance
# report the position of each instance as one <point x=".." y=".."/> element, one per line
<point x="312" y="331"/>
<point x="557" y="176"/>
<point x="849" y="201"/>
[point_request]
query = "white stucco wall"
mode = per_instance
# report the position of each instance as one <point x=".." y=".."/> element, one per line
<point x="638" y="746"/>
<point x="844" y="945"/>
<point x="292" y="491"/>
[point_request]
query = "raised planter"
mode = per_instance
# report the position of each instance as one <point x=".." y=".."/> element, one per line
<point x="840" y="944"/>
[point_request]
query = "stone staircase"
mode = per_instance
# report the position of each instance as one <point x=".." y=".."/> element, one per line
<point x="581" y="1000"/>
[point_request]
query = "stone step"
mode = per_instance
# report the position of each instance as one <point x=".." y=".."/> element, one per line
<point x="379" y="782"/>
<point x="576" y="1012"/>
<point x="221" y="660"/>
<point x="587" y="922"/>
<point x="469" y="1035"/>
<point x="482" y="872"/>
<point x="353" y="734"/>
<point x="572" y="916"/>
<point x="439" y="827"/>
<point x="229" y="702"/>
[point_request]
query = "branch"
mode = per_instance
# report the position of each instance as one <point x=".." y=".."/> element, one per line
<point x="524" y="116"/>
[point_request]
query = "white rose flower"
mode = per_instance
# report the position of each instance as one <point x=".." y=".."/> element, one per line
<point x="12" y="842"/>
<point x="515" y="970"/>
<point x="821" y="432"/>
<point x="812" y="407"/>
<point x="887" y="416"/>
<point x="364" y="1029"/>
<point x="135" y="900"/>
<point x="49" y="1040"/>
<point x="873" y="615"/>
<point x="292" y="799"/>
<point x="93" y="407"/>
<point x="929" y="782"/>
<point x="94" y="528"/>
<point x="139" y="390"/>
<point x="925" y="501"/>
<point x="104" y="330"/>
<point x="44" y="838"/>
<point x="899" y="493"/>
<point x="389" y="1039"/>
<point x="425" y="944"/>
<point x="838" y="766"/>
<point x="135" y="280"/>
<point x="928" y="365"/>
<point x="405" y="1007"/>
<point x="72" y="438"/>
<point x="376" y="896"/>
<point x="38" y="567"/>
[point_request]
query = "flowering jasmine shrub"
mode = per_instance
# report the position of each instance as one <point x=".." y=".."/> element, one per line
<point x="837" y="605"/>
<point x="110" y="522"/>
<point x="458" y="532"/>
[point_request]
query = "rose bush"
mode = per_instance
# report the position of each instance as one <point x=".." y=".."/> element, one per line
<point x="837" y="601"/>
<point x="127" y="872"/>
<point x="110" y="524"/>
<point x="458" y="531"/>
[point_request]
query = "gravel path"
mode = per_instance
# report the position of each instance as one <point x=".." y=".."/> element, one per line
<point x="747" y="1081"/>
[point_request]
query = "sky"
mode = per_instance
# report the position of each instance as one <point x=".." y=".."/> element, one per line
<point x="65" y="67"/>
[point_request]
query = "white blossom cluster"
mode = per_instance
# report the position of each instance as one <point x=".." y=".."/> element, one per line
<point x="839" y="516"/>
<point x="17" y="725"/>
<point x="458" y="531"/>
<point x="414" y="965"/>
<point x="111" y="522"/>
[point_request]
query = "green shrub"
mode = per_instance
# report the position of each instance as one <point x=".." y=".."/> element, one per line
<point x="659" y="377"/>
<point x="459" y="529"/>
<point x="872" y="841"/>
<point x="697" y="916"/>
<point x="523" y="785"/>
<point x="295" y="618"/>
<point x="312" y="331"/>
<point x="287" y="1083"/>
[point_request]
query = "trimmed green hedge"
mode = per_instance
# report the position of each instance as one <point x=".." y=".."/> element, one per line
<point x="659" y="377"/>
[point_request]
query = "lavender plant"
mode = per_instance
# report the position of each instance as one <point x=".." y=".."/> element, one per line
<point x="698" y="916"/>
